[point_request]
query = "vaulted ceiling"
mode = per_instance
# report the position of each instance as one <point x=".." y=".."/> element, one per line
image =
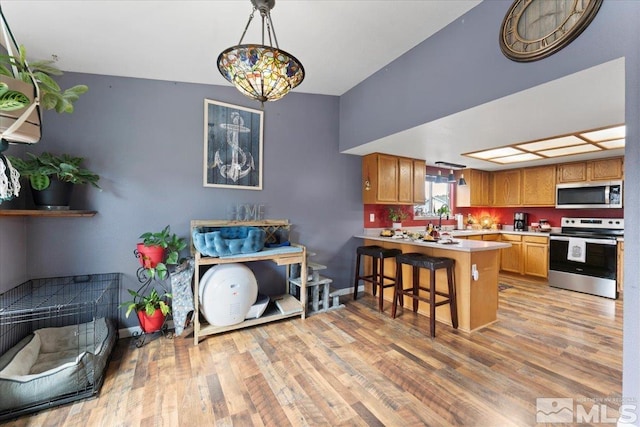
<point x="180" y="41"/>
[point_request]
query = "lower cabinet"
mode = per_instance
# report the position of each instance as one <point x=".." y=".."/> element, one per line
<point x="485" y="237"/>
<point x="511" y="258"/>
<point x="536" y="256"/>
<point x="527" y="255"/>
<point x="491" y="237"/>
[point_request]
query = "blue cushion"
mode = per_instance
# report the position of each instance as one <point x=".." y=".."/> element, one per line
<point x="224" y="241"/>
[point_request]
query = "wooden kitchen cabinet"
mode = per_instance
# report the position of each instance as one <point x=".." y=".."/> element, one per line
<point x="511" y="258"/>
<point x="391" y="180"/>
<point x="606" y="169"/>
<point x="539" y="186"/>
<point x="506" y="187"/>
<point x="527" y="255"/>
<point x="535" y="254"/>
<point x="592" y="170"/>
<point x="419" y="172"/>
<point x="490" y="237"/>
<point x="405" y="180"/>
<point x="572" y="172"/>
<point x="477" y="191"/>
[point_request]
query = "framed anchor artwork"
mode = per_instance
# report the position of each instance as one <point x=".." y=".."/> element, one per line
<point x="232" y="146"/>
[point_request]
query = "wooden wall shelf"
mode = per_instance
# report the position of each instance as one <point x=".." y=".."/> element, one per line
<point x="45" y="213"/>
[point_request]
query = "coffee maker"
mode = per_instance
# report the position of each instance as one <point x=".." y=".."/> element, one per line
<point x="520" y="221"/>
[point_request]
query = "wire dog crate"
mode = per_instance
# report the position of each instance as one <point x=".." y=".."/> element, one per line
<point x="71" y="323"/>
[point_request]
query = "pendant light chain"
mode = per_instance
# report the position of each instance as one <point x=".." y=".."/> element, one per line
<point x="270" y="29"/>
<point x="247" y="26"/>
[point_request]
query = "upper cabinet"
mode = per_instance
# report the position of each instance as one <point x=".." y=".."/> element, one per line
<point x="477" y="191"/>
<point x="592" y="170"/>
<point x="539" y="186"/>
<point x="506" y="187"/>
<point x="390" y="179"/>
<point x="419" y="172"/>
<point x="606" y="169"/>
<point x="405" y="180"/>
<point x="572" y="172"/>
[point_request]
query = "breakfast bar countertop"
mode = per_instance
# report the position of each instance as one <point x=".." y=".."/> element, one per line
<point x="461" y="245"/>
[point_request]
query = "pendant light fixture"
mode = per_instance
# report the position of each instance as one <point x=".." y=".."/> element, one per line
<point x="452" y="178"/>
<point x="261" y="72"/>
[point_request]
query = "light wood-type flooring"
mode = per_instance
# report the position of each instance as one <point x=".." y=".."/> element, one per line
<point x="356" y="367"/>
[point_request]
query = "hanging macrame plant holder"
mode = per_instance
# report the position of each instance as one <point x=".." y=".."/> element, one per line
<point x="23" y="125"/>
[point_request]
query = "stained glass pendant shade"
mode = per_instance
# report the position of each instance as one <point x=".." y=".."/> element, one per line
<point x="261" y="72"/>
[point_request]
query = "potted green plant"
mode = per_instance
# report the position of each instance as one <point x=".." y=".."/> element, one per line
<point x="52" y="177"/>
<point x="52" y="96"/>
<point x="158" y="250"/>
<point x="396" y="215"/>
<point x="151" y="309"/>
<point x="18" y="80"/>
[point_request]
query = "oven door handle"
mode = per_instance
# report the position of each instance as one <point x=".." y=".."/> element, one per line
<point x="595" y="241"/>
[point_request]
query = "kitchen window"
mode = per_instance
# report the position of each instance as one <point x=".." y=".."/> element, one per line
<point x="437" y="194"/>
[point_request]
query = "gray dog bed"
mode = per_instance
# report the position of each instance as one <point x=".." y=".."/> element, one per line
<point x="53" y="362"/>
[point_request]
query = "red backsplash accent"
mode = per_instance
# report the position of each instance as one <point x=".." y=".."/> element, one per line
<point x="500" y="215"/>
<point x="382" y="218"/>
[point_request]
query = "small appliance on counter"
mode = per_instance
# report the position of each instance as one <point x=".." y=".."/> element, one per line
<point x="544" y="225"/>
<point x="520" y="220"/>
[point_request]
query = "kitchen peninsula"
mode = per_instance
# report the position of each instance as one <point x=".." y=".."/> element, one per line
<point x="477" y="299"/>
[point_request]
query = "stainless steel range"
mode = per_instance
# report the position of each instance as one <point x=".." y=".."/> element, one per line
<point x="583" y="257"/>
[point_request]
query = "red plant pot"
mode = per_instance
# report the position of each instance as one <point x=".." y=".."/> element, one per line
<point x="153" y="323"/>
<point x="150" y="256"/>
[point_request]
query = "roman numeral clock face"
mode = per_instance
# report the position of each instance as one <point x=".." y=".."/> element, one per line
<point x="535" y="29"/>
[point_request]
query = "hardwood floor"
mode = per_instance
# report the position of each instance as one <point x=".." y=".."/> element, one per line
<point x="356" y="366"/>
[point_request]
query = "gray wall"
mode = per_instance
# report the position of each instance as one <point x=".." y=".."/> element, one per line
<point x="462" y="67"/>
<point x="137" y="131"/>
<point x="145" y="139"/>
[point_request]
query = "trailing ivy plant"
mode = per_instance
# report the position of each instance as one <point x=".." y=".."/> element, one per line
<point x="52" y="97"/>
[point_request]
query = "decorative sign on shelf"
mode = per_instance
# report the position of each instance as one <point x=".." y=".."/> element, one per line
<point x="245" y="212"/>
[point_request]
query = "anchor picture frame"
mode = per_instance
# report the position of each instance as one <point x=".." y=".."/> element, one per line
<point x="233" y="144"/>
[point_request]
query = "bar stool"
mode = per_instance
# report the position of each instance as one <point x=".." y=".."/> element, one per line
<point x="378" y="254"/>
<point x="419" y="261"/>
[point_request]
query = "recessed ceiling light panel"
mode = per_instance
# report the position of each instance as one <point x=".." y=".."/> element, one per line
<point x="524" y="157"/>
<point x="579" y="142"/>
<point x="496" y="152"/>
<point x="612" y="145"/>
<point x="605" y="134"/>
<point x="549" y="144"/>
<point x="567" y="151"/>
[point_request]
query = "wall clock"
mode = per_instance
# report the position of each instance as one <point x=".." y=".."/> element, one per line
<point x="535" y="29"/>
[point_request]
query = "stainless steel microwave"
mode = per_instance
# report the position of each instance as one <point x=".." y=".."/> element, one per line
<point x="589" y="195"/>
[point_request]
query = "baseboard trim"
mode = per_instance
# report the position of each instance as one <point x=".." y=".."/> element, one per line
<point x="345" y="291"/>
